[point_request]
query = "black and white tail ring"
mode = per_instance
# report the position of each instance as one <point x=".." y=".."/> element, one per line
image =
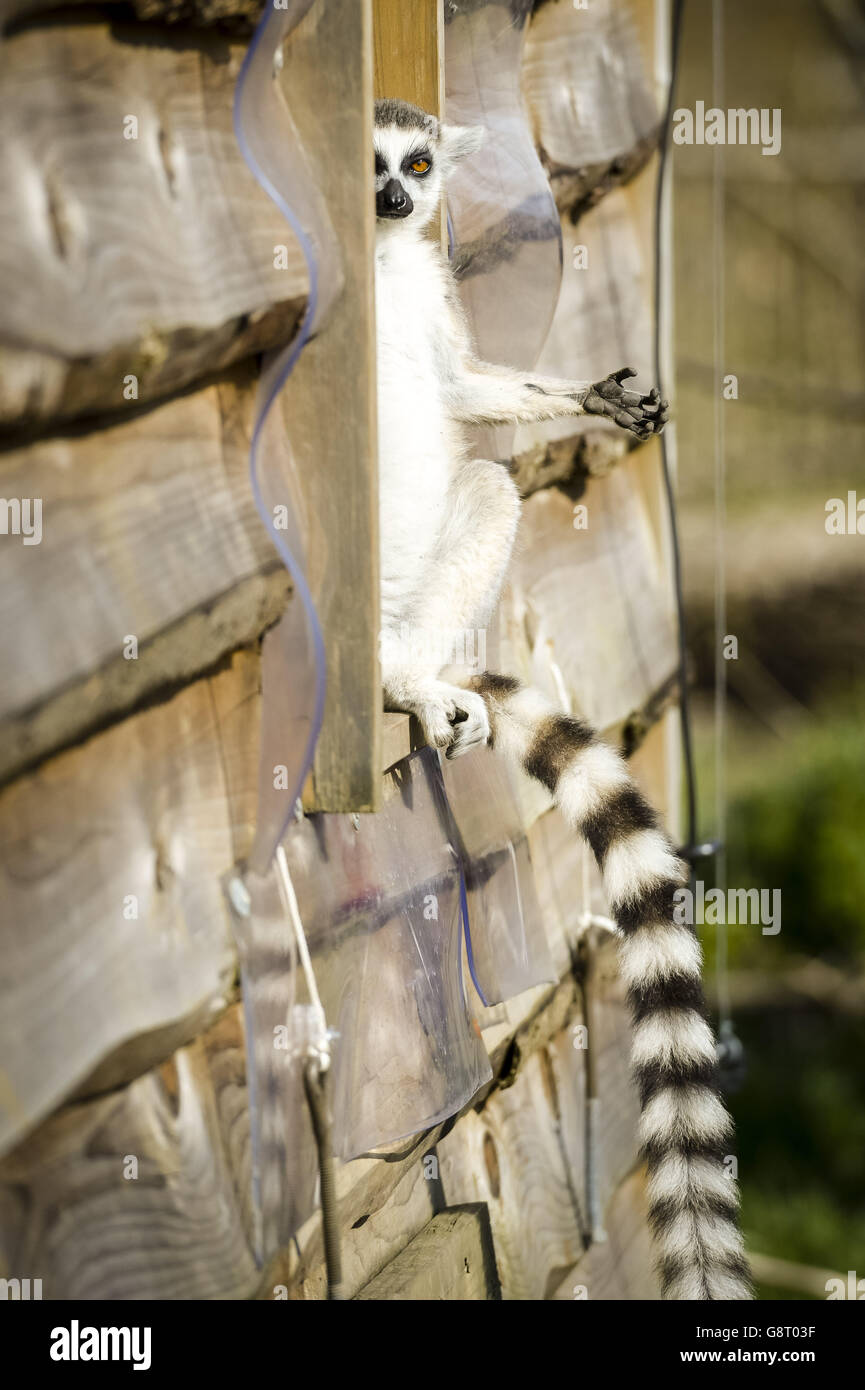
<point x="685" y="1130"/>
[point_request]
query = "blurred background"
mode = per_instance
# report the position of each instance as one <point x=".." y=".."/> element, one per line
<point x="794" y="760"/>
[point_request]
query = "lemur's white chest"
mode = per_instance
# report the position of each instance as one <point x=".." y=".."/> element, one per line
<point x="418" y="443"/>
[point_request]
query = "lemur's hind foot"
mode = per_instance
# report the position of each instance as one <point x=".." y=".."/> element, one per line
<point x="452" y="719"/>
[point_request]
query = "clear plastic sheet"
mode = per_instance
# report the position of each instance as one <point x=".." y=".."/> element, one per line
<point x="284" y="1163"/>
<point x="381" y="899"/>
<point x="507" y="253"/>
<point x="505" y="234"/>
<point x="284" y="1158"/>
<point x="612" y="108"/>
<point x="381" y="902"/>
<point x="604" y="319"/>
<point x="293" y="674"/>
<point x="509" y="948"/>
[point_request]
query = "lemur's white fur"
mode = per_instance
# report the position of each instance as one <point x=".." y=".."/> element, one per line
<point x="448" y="523"/>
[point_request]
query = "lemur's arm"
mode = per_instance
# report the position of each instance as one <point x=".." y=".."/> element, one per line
<point x="489" y="395"/>
<point x="482" y="393"/>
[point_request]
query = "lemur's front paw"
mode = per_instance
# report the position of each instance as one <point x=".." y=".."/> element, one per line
<point x="453" y="719"/>
<point x="642" y="415"/>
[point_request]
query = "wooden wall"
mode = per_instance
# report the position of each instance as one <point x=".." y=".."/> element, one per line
<point x="128" y="787"/>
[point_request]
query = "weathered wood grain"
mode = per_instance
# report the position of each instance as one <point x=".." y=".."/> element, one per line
<point x="234" y="16"/>
<point x="181" y="1229"/>
<point x="155" y="807"/>
<point x="114" y="782"/>
<point x="407" y="52"/>
<point x="588" y="87"/>
<point x="113" y="926"/>
<point x="568" y="1077"/>
<point x="567" y="880"/>
<point x="620" y="1267"/>
<point x="510" y="1157"/>
<point x="383" y="1205"/>
<point x="603" y="318"/>
<point x="408" y="62"/>
<point x="392" y="1198"/>
<point x="589" y="607"/>
<point x="150" y="258"/>
<point x="451" y="1259"/>
<point x="149" y="530"/>
<point x="592" y="453"/>
<point x="141" y="1194"/>
<point x="329" y="402"/>
<point x="615" y="1100"/>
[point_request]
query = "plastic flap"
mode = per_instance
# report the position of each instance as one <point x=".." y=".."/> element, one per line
<point x="509" y="948"/>
<point x="380" y="898"/>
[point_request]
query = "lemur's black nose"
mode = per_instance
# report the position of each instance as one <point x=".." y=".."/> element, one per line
<point x="394" y="195"/>
<point x="393" y="200"/>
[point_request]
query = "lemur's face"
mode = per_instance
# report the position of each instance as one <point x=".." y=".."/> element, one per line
<point x="413" y="153"/>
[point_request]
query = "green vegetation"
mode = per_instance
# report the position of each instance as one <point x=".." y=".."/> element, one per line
<point x="797" y="823"/>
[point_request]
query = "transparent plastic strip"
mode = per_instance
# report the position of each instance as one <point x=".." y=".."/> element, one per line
<point x="294" y="652"/>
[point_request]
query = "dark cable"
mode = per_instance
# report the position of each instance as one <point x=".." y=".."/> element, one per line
<point x="316" y="1084"/>
<point x="692" y="850"/>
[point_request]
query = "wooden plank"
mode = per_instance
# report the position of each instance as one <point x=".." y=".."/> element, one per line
<point x="329" y="402"/>
<point x="452" y="1258"/>
<point x="129" y="262"/>
<point x="407" y="51"/>
<point x="603" y="319"/>
<point x="611" y="1088"/>
<point x="567" y="881"/>
<point x="622" y="618"/>
<point x="382" y="1206"/>
<point x="596" y="131"/>
<point x="156" y="808"/>
<point x="70" y="1214"/>
<point x="408" y="63"/>
<point x="650" y="763"/>
<point x="620" y="1267"/>
<point x="114" y="930"/>
<point x="143" y="1193"/>
<point x="233" y="16"/>
<point x="567" y="1057"/>
<point x="593" y="452"/>
<point x="395" y="1196"/>
<point x="74" y="674"/>
<point x="149" y="530"/>
<point x="510" y="1157"/>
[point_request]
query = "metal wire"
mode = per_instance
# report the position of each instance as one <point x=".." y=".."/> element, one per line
<point x="718" y="290"/>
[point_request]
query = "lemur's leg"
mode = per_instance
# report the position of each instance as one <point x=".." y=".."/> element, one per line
<point x="487" y="394"/>
<point x="455" y="598"/>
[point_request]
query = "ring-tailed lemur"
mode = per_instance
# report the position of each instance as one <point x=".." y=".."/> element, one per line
<point x="447" y="529"/>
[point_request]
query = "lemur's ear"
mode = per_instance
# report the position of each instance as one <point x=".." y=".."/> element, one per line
<point x="457" y="142"/>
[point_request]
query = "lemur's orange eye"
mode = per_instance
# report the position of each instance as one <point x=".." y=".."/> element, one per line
<point x="420" y="166"/>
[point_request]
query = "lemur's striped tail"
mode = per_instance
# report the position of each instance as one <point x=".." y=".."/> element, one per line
<point x="685" y="1129"/>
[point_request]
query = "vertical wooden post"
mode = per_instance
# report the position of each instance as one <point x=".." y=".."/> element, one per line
<point x="408" y="52"/>
<point x="330" y="399"/>
<point x="408" y="49"/>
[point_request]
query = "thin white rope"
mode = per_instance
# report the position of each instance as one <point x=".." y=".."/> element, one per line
<point x="559" y="680"/>
<point x="720" y="491"/>
<point x="516" y="870"/>
<point x="593" y="919"/>
<point x="587" y="918"/>
<point x="319" y="1045"/>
